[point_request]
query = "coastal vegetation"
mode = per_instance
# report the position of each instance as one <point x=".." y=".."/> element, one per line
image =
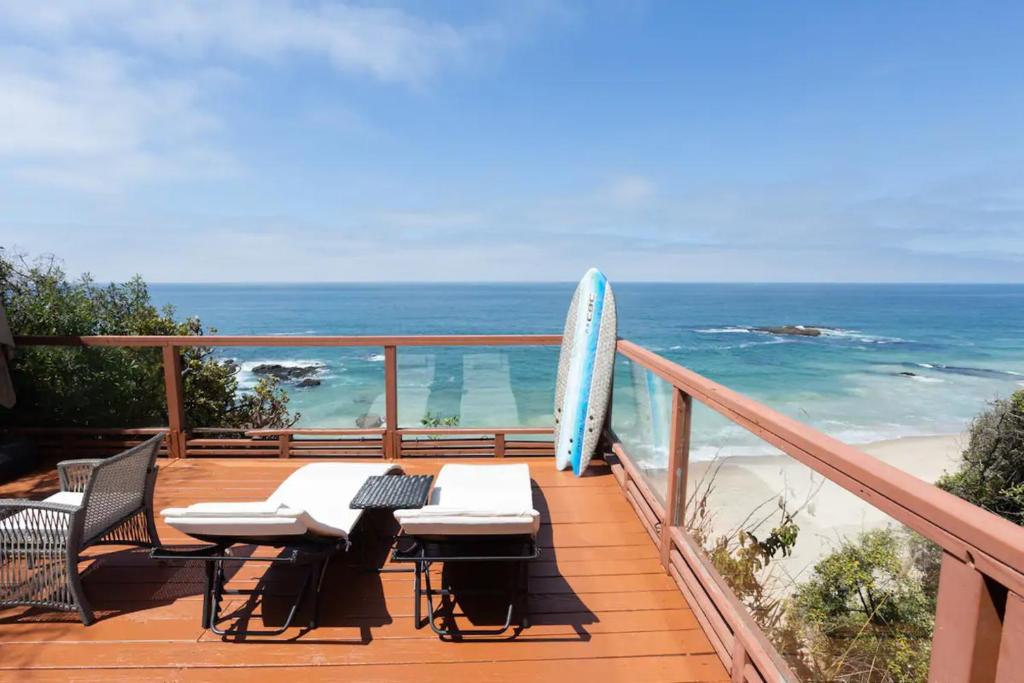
<point x="863" y="612"/>
<point x="991" y="473"/>
<point x="116" y="387"/>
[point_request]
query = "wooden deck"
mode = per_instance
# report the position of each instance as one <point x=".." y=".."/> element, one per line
<point x="601" y="605"/>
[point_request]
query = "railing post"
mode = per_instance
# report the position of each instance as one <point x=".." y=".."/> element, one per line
<point x="392" y="446"/>
<point x="499" y="445"/>
<point x="284" y="445"/>
<point x="678" y="464"/>
<point x="968" y="625"/>
<point x="1011" y="648"/>
<point x="175" y="401"/>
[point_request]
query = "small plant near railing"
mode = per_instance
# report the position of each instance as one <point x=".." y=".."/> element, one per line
<point x="435" y="421"/>
<point x="743" y="555"/>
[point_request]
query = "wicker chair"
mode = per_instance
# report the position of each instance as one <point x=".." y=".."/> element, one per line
<point x="106" y="500"/>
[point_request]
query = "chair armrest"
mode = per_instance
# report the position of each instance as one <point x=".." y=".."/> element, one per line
<point x="74" y="474"/>
<point x="25" y="523"/>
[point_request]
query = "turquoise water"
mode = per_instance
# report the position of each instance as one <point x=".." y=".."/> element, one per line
<point x="964" y="344"/>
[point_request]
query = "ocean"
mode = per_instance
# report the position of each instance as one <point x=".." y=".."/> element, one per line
<point x="898" y="360"/>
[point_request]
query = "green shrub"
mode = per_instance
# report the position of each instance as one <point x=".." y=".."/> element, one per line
<point x="865" y="614"/>
<point x="991" y="474"/>
<point x="115" y="387"/>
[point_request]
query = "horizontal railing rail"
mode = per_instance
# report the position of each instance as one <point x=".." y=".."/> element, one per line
<point x="982" y="574"/>
<point x="179" y="341"/>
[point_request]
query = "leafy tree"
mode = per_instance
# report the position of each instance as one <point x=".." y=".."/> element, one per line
<point x="115" y="387"/>
<point x="991" y="474"/>
<point x="864" y="614"/>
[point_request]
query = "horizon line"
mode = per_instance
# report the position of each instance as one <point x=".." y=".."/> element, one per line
<point x="570" y="282"/>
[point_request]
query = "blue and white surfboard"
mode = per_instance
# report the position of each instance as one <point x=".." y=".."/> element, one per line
<point x="585" y="367"/>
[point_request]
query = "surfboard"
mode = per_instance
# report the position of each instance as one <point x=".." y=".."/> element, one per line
<point x="585" y="366"/>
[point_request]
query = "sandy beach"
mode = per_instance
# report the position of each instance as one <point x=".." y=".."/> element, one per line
<point x="748" y="489"/>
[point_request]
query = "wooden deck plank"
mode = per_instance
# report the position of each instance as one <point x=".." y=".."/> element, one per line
<point x="601" y="605"/>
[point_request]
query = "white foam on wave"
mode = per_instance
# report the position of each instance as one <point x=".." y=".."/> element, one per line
<point x="725" y="330"/>
<point x="927" y="380"/>
<point x="857" y="335"/>
<point x="747" y="345"/>
<point x="376" y="358"/>
<point x="300" y="333"/>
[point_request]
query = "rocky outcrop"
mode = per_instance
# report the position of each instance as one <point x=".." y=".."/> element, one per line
<point x="369" y="421"/>
<point x="308" y="382"/>
<point x="792" y="330"/>
<point x="286" y="372"/>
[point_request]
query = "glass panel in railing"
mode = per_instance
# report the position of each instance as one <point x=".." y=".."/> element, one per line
<point x="843" y="591"/>
<point x="476" y="386"/>
<point x="305" y="387"/>
<point x="641" y="418"/>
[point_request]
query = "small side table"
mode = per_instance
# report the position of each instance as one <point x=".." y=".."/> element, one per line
<point x="393" y="492"/>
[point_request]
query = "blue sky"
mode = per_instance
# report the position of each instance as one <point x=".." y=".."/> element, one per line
<point x="310" y="141"/>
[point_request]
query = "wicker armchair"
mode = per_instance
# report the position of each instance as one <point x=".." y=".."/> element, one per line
<point x="108" y="500"/>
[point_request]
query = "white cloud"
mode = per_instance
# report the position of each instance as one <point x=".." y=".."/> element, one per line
<point x="630" y="191"/>
<point x="85" y="119"/>
<point x="100" y="95"/>
<point x="388" y="44"/>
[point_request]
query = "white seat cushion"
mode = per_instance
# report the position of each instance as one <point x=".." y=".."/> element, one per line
<point x="476" y="500"/>
<point x="313" y="499"/>
<point x="30" y="520"/>
<point x="65" y="498"/>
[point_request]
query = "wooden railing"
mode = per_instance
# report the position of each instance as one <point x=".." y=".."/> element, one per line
<point x="979" y="623"/>
<point x="391" y="441"/>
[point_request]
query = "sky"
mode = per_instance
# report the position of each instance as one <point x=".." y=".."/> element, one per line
<point x="288" y="140"/>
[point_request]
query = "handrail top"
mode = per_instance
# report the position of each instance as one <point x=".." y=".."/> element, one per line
<point x="285" y="341"/>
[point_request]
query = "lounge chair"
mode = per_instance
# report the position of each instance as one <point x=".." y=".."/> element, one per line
<point x="101" y="501"/>
<point x="308" y="515"/>
<point x="476" y="513"/>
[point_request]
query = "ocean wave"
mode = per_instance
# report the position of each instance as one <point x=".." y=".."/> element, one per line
<point x="966" y="371"/>
<point x="301" y="333"/>
<point x="724" y="330"/>
<point x="376" y="358"/>
<point x="827" y="332"/>
<point x="840" y="333"/>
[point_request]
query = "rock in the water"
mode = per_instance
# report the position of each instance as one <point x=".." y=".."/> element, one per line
<point x="308" y="382"/>
<point x="369" y="421"/>
<point x="285" y="371"/>
<point x="793" y="330"/>
<point x="905" y="373"/>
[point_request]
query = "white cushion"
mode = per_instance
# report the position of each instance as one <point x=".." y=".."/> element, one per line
<point x="314" y="498"/>
<point x="66" y="498"/>
<point x="470" y="500"/>
<point x="29" y="520"/>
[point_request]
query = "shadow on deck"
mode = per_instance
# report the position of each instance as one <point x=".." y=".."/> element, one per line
<point x="601" y="604"/>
